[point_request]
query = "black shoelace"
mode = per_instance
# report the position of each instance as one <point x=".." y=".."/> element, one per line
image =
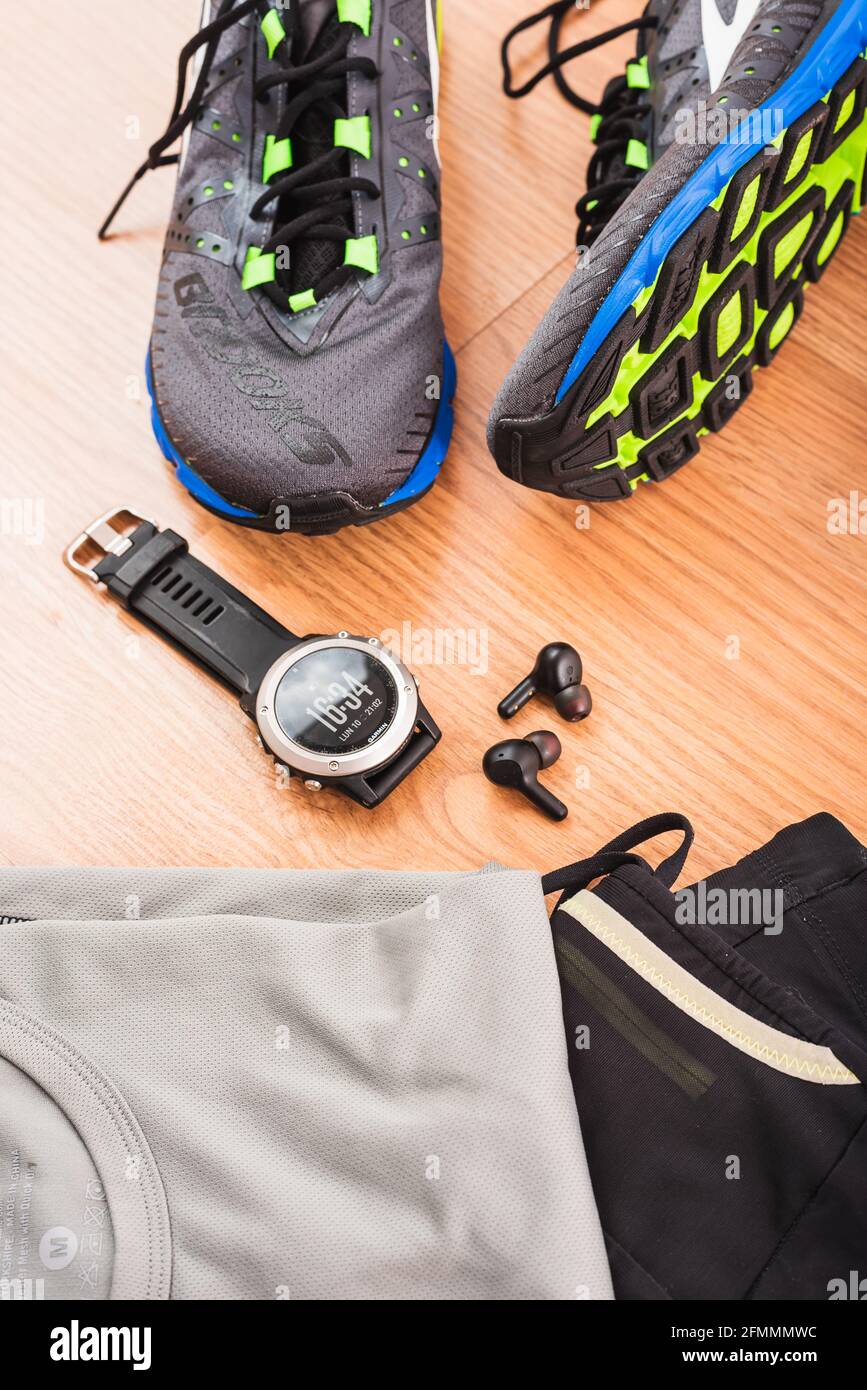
<point x="619" y="118"/>
<point x="313" y="88"/>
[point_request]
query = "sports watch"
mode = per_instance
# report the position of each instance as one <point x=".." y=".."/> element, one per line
<point x="337" y="711"/>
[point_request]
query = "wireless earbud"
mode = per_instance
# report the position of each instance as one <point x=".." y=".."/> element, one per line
<point x="557" y="672"/>
<point x="517" y="762"/>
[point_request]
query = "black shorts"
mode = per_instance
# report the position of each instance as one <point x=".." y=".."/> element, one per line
<point x="717" y="1043"/>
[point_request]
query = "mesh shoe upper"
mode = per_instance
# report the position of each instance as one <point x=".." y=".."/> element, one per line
<point x="679" y="80"/>
<point x="339" y="397"/>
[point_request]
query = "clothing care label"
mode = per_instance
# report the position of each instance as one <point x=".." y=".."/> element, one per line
<point x="19" y="1176"/>
<point x="56" y="1238"/>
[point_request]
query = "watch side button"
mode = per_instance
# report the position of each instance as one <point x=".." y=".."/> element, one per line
<point x="313" y="786"/>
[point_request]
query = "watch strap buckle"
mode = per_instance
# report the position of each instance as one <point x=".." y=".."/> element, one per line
<point x="102" y="539"/>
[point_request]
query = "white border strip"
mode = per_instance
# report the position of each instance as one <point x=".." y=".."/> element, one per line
<point x="434" y="33"/>
<point x="794" y="1056"/>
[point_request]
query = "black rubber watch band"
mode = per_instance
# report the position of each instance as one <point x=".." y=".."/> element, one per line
<point x="157" y="579"/>
<point x="372" y="788"/>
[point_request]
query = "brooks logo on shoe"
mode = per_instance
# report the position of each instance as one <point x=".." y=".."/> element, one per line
<point x="307" y="438"/>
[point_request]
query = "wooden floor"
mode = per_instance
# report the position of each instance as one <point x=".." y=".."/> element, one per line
<point x="722" y="626"/>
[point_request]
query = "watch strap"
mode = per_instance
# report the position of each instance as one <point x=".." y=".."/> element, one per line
<point x="371" y="789"/>
<point x="156" y="578"/>
<point x="153" y="574"/>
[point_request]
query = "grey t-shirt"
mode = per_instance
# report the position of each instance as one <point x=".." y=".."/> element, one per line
<point x="278" y="1084"/>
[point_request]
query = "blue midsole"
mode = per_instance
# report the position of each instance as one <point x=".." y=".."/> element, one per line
<point x="832" y="54"/>
<point x="423" y="474"/>
<point x="431" y="461"/>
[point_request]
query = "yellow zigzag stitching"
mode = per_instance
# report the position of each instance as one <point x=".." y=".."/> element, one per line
<point x="771" y="1055"/>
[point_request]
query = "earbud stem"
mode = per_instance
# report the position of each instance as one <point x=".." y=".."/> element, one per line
<point x="547" y="801"/>
<point x="517" y="699"/>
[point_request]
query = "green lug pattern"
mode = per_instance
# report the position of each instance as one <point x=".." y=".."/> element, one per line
<point x="847" y="163"/>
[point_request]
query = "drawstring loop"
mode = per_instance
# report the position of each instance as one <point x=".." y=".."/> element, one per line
<point x="617" y="853"/>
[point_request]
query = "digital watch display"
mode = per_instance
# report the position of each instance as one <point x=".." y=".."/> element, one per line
<point x="336" y="700"/>
<point x="338" y="711"/>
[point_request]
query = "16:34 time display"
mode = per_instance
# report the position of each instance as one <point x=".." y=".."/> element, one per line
<point x="341" y="699"/>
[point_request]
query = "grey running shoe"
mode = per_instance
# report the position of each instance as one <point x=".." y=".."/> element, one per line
<point x="729" y="160"/>
<point x="298" y="368"/>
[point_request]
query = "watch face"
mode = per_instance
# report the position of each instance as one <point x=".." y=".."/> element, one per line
<point x="336" y="700"/>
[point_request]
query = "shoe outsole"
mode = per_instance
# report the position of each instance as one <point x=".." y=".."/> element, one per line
<point x="680" y="361"/>
<point x="324" y="514"/>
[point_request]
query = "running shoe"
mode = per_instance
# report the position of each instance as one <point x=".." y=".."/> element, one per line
<point x="729" y="160"/>
<point x="298" y="368"/>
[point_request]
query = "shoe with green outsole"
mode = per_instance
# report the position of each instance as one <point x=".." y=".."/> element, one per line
<point x="698" y="276"/>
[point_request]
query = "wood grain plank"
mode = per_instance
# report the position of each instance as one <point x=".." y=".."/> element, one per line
<point x="115" y="750"/>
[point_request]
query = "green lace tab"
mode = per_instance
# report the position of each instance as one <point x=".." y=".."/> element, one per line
<point x="259" y="269"/>
<point x="355" y="12"/>
<point x="353" y="134"/>
<point x="277" y="158"/>
<point x="305" y="300"/>
<point x="595" y="123"/>
<point x="637" y="155"/>
<point x="362" y="252"/>
<point x="272" y="28"/>
<point x="637" y="74"/>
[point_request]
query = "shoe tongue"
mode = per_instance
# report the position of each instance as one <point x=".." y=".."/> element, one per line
<point x="313" y="15"/>
<point x="311" y="260"/>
